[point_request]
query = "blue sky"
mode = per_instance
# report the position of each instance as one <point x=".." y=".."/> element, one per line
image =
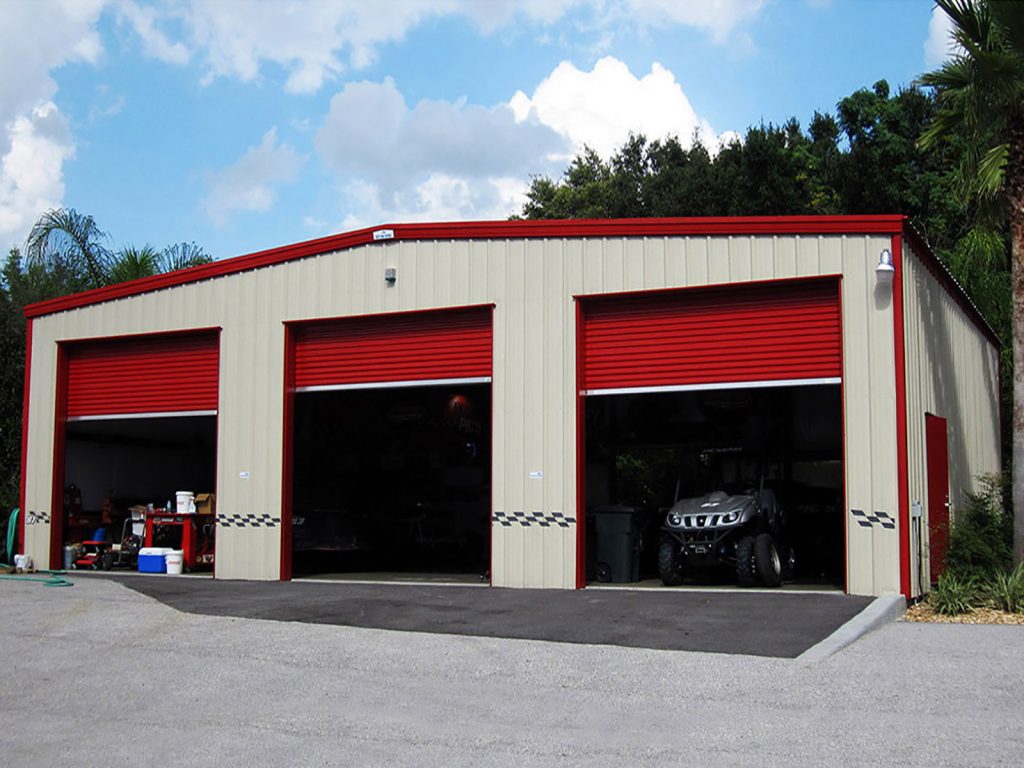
<point x="243" y="124"/>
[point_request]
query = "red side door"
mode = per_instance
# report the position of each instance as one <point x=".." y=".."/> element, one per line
<point x="937" y="452"/>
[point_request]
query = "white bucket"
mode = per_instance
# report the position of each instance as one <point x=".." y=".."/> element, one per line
<point x="174" y="560"/>
<point x="186" y="502"/>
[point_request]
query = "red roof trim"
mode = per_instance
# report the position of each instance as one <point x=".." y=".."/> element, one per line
<point x="484" y="230"/>
<point x="512" y="230"/>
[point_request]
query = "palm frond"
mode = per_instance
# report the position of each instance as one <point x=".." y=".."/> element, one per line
<point x="64" y="235"/>
<point x="991" y="169"/>
<point x="182" y="256"/>
<point x="132" y="263"/>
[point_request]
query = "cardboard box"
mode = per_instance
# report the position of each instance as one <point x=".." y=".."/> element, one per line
<point x="206" y="503"/>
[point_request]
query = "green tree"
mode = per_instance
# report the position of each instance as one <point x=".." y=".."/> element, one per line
<point x="980" y="92"/>
<point x="64" y="239"/>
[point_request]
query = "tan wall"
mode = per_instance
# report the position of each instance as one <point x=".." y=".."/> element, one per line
<point x="532" y="284"/>
<point x="952" y="372"/>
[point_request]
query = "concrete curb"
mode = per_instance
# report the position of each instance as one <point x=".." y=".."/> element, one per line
<point x="883" y="610"/>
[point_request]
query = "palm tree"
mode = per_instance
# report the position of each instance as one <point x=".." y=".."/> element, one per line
<point x="131" y="263"/>
<point x="182" y="256"/>
<point x="980" y="91"/>
<point x="64" y="239"/>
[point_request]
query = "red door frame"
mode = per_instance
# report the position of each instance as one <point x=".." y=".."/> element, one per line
<point x="291" y="327"/>
<point x="936" y="440"/>
<point x="581" y="464"/>
<point x="61" y="428"/>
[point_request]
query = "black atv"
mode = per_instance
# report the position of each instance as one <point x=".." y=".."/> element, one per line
<point x="743" y="530"/>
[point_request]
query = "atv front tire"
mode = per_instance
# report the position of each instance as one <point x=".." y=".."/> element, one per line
<point x="745" y="561"/>
<point x="767" y="562"/>
<point x="670" y="563"/>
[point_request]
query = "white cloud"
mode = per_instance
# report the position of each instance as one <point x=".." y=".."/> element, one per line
<point x="372" y="134"/>
<point x="35" y="38"/>
<point x="143" y="19"/>
<point x="601" y="107"/>
<point x="250" y="184"/>
<point x="315" y="41"/>
<point x="720" y="17"/>
<point x="439" y="197"/>
<point x="30" y="171"/>
<point x="940" y="44"/>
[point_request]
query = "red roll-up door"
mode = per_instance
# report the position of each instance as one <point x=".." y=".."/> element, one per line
<point x="153" y="375"/>
<point x="406" y="348"/>
<point x="700" y="338"/>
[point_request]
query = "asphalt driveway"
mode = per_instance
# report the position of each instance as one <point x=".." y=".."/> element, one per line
<point x="777" y="624"/>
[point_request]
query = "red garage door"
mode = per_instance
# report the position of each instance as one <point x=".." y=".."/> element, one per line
<point x="143" y="376"/>
<point x="768" y="335"/>
<point x="416" y="348"/>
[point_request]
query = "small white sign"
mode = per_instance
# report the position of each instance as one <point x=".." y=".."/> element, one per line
<point x="244" y="474"/>
<point x="536" y="475"/>
<point x="383" y="234"/>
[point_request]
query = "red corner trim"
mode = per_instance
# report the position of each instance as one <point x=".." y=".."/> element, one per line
<point x="902" y="479"/>
<point x="20" y="545"/>
<point x="60" y="429"/>
<point x="581" y="454"/>
<point x="484" y="230"/>
<point x="288" y="441"/>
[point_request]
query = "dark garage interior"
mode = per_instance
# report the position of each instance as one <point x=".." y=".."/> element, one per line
<point x="393" y="482"/>
<point x="114" y="464"/>
<point x="645" y="451"/>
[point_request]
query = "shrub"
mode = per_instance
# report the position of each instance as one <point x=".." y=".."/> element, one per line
<point x="954" y="595"/>
<point x="1006" y="590"/>
<point x="981" y="537"/>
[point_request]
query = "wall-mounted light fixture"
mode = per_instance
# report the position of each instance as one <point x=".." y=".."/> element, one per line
<point x="390" y="275"/>
<point x="885" y="269"/>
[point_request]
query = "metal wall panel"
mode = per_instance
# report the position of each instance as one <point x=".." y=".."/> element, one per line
<point x="952" y="372"/>
<point x="532" y="284"/>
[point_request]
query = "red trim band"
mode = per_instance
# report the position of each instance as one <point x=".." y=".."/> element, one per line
<point x="25" y="400"/>
<point x="902" y="478"/>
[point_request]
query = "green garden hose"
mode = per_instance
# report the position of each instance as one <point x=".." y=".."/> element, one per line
<point x="47" y="578"/>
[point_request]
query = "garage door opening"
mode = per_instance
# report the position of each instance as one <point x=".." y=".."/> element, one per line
<point x="114" y="469"/>
<point x="712" y="428"/>
<point x="136" y="425"/>
<point x="699" y="455"/>
<point x="393" y="483"/>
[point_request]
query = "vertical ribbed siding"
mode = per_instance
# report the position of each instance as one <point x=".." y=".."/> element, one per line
<point x="403" y="347"/>
<point x="952" y="372"/>
<point x="155" y="374"/>
<point x="767" y="332"/>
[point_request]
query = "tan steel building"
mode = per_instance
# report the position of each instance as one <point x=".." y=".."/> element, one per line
<point x="532" y="312"/>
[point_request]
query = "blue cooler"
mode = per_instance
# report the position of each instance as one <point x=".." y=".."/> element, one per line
<point x="153" y="559"/>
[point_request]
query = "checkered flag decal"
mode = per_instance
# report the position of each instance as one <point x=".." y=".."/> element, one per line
<point x="43" y="518"/>
<point x="528" y="519"/>
<point x="248" y="521"/>
<point x="864" y="520"/>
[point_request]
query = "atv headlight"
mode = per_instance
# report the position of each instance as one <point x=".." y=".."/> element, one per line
<point x="675" y="520"/>
<point x="730" y="517"/>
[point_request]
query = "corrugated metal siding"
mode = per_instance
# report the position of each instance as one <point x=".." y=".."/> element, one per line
<point x="952" y="372"/>
<point x="531" y="284"/>
<point x="394" y="348"/>
<point x="160" y="374"/>
<point x="784" y="332"/>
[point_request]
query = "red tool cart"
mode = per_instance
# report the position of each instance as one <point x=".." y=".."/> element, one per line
<point x="191" y="533"/>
